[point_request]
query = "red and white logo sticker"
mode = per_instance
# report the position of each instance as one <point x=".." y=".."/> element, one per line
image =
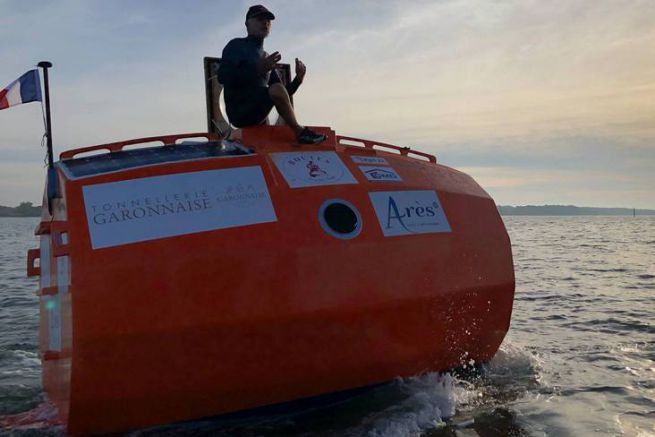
<point x="312" y="169"/>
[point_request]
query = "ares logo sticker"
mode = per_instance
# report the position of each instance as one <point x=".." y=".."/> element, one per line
<point x="380" y="174"/>
<point x="310" y="169"/>
<point x="409" y="212"/>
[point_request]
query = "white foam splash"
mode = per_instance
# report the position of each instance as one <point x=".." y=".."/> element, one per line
<point x="43" y="417"/>
<point x="512" y="358"/>
<point x="513" y="362"/>
<point x="430" y="399"/>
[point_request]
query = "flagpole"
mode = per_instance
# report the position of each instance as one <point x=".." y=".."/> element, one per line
<point x="45" y="65"/>
<point x="52" y="190"/>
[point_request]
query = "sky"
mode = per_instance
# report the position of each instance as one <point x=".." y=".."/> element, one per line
<point x="542" y="102"/>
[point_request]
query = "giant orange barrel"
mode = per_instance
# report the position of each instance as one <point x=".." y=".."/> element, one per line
<point x="194" y="279"/>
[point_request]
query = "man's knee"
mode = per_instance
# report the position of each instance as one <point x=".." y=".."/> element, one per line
<point x="277" y="91"/>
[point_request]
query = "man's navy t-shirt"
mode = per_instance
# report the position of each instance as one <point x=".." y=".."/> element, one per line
<point x="246" y="91"/>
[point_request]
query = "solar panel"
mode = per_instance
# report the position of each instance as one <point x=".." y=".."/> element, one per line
<point x="110" y="162"/>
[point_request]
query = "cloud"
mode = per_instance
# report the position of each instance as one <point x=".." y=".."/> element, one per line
<point x="582" y="187"/>
<point x="471" y="70"/>
<point x="547" y="86"/>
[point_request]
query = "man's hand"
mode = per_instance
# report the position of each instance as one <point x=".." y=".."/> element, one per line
<point x="267" y="63"/>
<point x="300" y="70"/>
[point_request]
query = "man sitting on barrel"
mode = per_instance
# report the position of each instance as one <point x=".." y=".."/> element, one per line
<point x="252" y="86"/>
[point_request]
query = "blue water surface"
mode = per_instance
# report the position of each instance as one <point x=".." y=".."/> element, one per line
<point x="578" y="360"/>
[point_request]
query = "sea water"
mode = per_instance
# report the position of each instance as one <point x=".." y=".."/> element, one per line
<point x="579" y="359"/>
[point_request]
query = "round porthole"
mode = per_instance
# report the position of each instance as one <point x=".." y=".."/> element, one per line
<point x="340" y="219"/>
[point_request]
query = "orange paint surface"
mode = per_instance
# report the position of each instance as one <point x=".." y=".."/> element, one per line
<point x="207" y="323"/>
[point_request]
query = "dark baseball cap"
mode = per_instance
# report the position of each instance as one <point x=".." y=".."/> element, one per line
<point x="257" y="10"/>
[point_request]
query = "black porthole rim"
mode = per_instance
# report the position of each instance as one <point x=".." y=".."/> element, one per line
<point x="328" y="229"/>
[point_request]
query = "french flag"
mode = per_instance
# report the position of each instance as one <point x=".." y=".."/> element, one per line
<point x="26" y="88"/>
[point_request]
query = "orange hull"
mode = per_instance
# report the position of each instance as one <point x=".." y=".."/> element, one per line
<point x="165" y="322"/>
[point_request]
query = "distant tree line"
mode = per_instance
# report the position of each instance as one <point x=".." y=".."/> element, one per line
<point x="569" y="210"/>
<point x="25" y="209"/>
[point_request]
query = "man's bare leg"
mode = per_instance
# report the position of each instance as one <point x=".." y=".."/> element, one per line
<point x="282" y="103"/>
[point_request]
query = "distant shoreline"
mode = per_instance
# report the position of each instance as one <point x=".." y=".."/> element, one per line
<point x="27" y="209"/>
<point x="570" y="210"/>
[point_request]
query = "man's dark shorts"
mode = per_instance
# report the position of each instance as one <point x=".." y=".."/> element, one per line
<point x="252" y="110"/>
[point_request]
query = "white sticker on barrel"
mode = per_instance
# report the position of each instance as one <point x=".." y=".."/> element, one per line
<point x="165" y="206"/>
<point x="53" y="314"/>
<point x="312" y="169"/>
<point x="370" y="160"/>
<point x="63" y="274"/>
<point x="380" y="174"/>
<point x="409" y="212"/>
<point x="44" y="261"/>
